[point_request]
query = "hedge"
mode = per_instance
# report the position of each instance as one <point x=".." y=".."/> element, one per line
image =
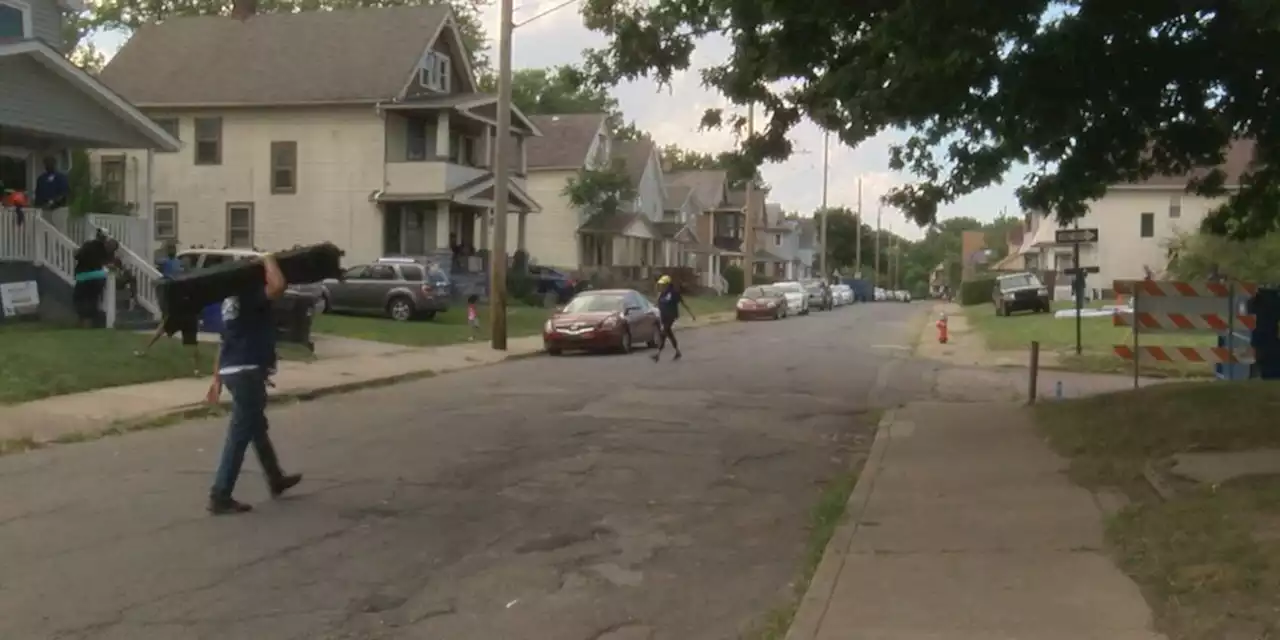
<point x="976" y="291"/>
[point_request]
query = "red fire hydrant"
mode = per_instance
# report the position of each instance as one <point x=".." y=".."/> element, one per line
<point x="941" y="324"/>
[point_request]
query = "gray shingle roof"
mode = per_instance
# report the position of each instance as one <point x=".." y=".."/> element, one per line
<point x="707" y="185"/>
<point x="634" y="155"/>
<point x="1235" y="163"/>
<point x="565" y="141"/>
<point x="283" y="58"/>
<point x="676" y="196"/>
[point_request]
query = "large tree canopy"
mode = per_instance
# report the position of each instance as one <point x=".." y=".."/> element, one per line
<point x="1088" y="93"/>
<point x="554" y="90"/>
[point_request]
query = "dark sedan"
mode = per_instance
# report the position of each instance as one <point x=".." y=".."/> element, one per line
<point x="761" y="303"/>
<point x="604" y="320"/>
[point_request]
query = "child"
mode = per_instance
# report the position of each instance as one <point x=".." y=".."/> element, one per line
<point x="472" y="318"/>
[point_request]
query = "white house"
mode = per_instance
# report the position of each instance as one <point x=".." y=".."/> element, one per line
<point x="630" y="238"/>
<point x="360" y="127"/>
<point x="1136" y="224"/>
<point x="569" y="144"/>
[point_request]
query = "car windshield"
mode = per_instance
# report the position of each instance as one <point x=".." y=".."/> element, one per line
<point x="793" y="287"/>
<point x="597" y="303"/>
<point x="758" y="292"/>
<point x="1020" y="280"/>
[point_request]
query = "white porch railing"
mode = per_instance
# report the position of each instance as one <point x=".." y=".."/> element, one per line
<point x="57" y="253"/>
<point x="17" y="242"/>
<point x="131" y="233"/>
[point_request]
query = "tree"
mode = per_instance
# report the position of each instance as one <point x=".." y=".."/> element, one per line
<point x="128" y="15"/>
<point x="601" y="191"/>
<point x="554" y="90"/>
<point x="738" y="169"/>
<point x="1089" y="93"/>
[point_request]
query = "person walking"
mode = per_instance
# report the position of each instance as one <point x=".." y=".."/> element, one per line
<point x="245" y="363"/>
<point x="669" y="302"/>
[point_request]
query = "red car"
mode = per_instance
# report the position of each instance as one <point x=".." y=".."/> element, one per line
<point x="761" y="303"/>
<point x="604" y="320"/>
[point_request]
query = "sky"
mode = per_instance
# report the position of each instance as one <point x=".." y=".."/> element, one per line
<point x="672" y="114"/>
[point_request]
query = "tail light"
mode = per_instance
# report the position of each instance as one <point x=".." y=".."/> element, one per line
<point x="426" y="290"/>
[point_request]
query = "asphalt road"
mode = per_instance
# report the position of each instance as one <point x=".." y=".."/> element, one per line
<point x="573" y="498"/>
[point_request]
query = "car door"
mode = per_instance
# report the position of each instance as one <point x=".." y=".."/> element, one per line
<point x="374" y="290"/>
<point x="642" y="318"/>
<point x="343" y="294"/>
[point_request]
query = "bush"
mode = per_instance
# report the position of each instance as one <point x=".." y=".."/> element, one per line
<point x="734" y="277"/>
<point x="976" y="291"/>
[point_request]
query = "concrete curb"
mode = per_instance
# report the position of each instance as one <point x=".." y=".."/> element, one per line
<point x="817" y="598"/>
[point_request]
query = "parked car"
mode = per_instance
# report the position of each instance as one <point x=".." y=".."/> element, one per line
<point x="552" y="281"/>
<point x="602" y="320"/>
<point x="437" y="271"/>
<point x="757" y="303"/>
<point x="402" y="289"/>
<point x="819" y="295"/>
<point x="842" y="294"/>
<point x="796" y="296"/>
<point x="1019" y="292"/>
<point x="881" y="295"/>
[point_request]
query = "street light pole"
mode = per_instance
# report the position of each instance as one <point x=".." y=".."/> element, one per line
<point x="876" y="271"/>
<point x="749" y="250"/>
<point x="826" y="169"/>
<point x="498" y="254"/>
<point x="857" y="243"/>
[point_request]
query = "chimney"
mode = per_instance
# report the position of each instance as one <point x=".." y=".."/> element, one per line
<point x="243" y="9"/>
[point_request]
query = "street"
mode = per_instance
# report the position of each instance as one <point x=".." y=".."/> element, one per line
<point x="572" y="498"/>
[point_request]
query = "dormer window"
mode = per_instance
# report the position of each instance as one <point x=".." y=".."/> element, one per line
<point x="433" y="73"/>
<point x="15" y="19"/>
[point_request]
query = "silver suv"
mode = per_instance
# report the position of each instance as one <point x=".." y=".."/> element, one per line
<point x="400" y="288"/>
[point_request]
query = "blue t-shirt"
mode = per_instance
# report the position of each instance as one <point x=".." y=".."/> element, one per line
<point x="170" y="267"/>
<point x="248" y="333"/>
<point x="669" y="302"/>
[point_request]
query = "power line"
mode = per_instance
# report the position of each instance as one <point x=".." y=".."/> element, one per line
<point x="544" y="13"/>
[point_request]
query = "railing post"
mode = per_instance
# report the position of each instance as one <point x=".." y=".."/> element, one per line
<point x="109" y="300"/>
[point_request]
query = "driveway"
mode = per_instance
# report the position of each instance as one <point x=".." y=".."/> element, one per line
<point x="592" y="498"/>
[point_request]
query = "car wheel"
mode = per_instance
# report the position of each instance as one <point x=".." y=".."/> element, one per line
<point x="400" y="309"/>
<point x="624" y="345"/>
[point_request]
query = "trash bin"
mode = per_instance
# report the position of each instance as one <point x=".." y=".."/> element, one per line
<point x="211" y="318"/>
<point x="293" y="319"/>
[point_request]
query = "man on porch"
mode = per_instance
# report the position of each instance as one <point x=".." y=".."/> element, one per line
<point x="53" y="190"/>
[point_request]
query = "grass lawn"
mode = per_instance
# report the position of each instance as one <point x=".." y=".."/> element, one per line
<point x="707" y="305"/>
<point x="1209" y="558"/>
<point x="446" y="328"/>
<point x="1098" y="336"/>
<point x="39" y="360"/>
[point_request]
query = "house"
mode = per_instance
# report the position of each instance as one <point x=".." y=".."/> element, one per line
<point x="716" y="235"/>
<point x="807" y="247"/>
<point x="49" y="107"/>
<point x="777" y="244"/>
<point x="974" y="255"/>
<point x="365" y="128"/>
<point x="628" y="242"/>
<point x="569" y="144"/>
<point x="1013" y="260"/>
<point x="1136" y="223"/>
<point x="679" y="226"/>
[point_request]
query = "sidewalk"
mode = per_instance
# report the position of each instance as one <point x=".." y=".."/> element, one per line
<point x="963" y="526"/>
<point x="52" y="418"/>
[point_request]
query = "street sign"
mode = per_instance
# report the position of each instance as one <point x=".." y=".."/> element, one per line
<point x="1074" y="236"/>
<point x="1074" y="272"/>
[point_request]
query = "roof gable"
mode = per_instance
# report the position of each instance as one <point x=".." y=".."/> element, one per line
<point x="459" y="57"/>
<point x="354" y="56"/>
<point x="708" y="184"/>
<point x="635" y="157"/>
<point x="566" y="140"/>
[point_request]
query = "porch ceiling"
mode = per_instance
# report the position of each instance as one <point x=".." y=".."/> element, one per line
<point x="52" y="105"/>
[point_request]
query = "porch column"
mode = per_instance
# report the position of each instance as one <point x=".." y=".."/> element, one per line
<point x="522" y="229"/>
<point x="442" y="134"/>
<point x="482" y="243"/>
<point x="442" y="225"/>
<point x="487" y="142"/>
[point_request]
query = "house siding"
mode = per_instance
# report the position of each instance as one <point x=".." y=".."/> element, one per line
<point x="35" y="98"/>
<point x="339" y="167"/>
<point x="651" y="191"/>
<point x="551" y="236"/>
<point x="46" y="23"/>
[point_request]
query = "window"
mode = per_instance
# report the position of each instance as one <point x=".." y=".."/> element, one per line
<point x="1147" y="228"/>
<point x="284" y="167"/>
<point x="15" y="19"/>
<point x="382" y="272"/>
<point x="412" y="273"/>
<point x="240" y="225"/>
<point x="777" y="239"/>
<point x="461" y="150"/>
<point x="165" y="218"/>
<point x="1063" y="261"/>
<point x="416" y="140"/>
<point x="357" y="273"/>
<point x="213" y="260"/>
<point x="1175" y="207"/>
<point x="112" y="178"/>
<point x="433" y="73"/>
<point x="170" y="126"/>
<point x="208" y="140"/>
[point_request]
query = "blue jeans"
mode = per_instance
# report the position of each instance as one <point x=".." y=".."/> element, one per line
<point x="248" y="426"/>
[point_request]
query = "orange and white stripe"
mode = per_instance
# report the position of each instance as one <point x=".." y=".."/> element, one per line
<point x="1183" y="321"/>
<point x="1186" y="354"/>
<point x="1178" y="289"/>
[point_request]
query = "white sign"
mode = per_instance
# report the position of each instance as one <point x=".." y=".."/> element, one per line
<point x="19" y="298"/>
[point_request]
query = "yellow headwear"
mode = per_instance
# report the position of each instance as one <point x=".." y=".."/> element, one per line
<point x="664" y="280"/>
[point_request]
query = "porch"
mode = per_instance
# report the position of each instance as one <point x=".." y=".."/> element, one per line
<point x="435" y="228"/>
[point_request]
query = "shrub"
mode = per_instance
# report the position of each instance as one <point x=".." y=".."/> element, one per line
<point x="734" y="277"/>
<point x="976" y="291"/>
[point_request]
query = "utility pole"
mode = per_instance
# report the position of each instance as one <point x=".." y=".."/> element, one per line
<point x="498" y="254"/>
<point x="749" y="250"/>
<point x="826" y="169"/>
<point x="857" y="248"/>
<point x="876" y="270"/>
